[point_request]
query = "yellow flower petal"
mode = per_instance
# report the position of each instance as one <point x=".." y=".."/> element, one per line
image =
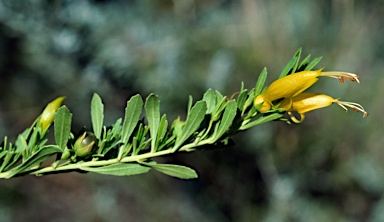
<point x="291" y="85"/>
<point x="306" y="102"/>
<point x="266" y="104"/>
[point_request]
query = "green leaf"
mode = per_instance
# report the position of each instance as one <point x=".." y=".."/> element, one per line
<point x="163" y="126"/>
<point x="288" y="67"/>
<point x="297" y="55"/>
<point x="226" y="121"/>
<point x="190" y="102"/>
<point x="304" y="62"/>
<point x="220" y="106"/>
<point x="261" y="120"/>
<point x="8" y="155"/>
<point x="242" y="86"/>
<point x="261" y="81"/>
<point x="116" y="128"/>
<point x="2" y="153"/>
<point x="178" y="171"/>
<point x="111" y="138"/>
<point x="152" y="110"/>
<point x="241" y="99"/>
<point x="62" y="124"/>
<point x="119" y="169"/>
<point x="210" y="98"/>
<point x="32" y="141"/>
<point x="292" y="64"/>
<point x="313" y="63"/>
<point x="132" y="116"/>
<point x="97" y="115"/>
<point x="192" y="123"/>
<point x="40" y="156"/>
<point x="22" y="146"/>
<point x="6" y="160"/>
<point x="219" y="96"/>
<point x="177" y="127"/>
<point x="249" y="101"/>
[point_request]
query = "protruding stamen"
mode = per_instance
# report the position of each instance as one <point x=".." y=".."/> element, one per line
<point x="341" y="76"/>
<point x="355" y="106"/>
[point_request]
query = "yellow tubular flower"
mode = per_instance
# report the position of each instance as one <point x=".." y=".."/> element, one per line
<point x="48" y="114"/>
<point x="294" y="84"/>
<point x="307" y="101"/>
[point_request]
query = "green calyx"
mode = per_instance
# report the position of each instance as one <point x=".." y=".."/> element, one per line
<point x="84" y="144"/>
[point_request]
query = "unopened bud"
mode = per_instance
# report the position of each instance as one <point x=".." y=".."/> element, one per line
<point x="48" y="114"/>
<point x="84" y="144"/>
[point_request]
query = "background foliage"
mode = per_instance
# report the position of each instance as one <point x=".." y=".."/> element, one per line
<point x="328" y="168"/>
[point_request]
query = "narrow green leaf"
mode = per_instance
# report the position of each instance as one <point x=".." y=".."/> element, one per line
<point x="192" y="123"/>
<point x="219" y="96"/>
<point x="178" y="171"/>
<point x="32" y="141"/>
<point x="22" y="146"/>
<point x="304" y="62"/>
<point x="62" y="124"/>
<point x="210" y="98"/>
<point x="241" y="99"/>
<point x="132" y="116"/>
<point x="3" y="153"/>
<point x="249" y="101"/>
<point x="119" y="169"/>
<point x="97" y="115"/>
<point x="261" y="120"/>
<point x="152" y="110"/>
<point x="5" y="161"/>
<point x="40" y="156"/>
<point x="220" y="106"/>
<point x="288" y="67"/>
<point x="11" y="156"/>
<point x="313" y="63"/>
<point x="242" y="86"/>
<point x="292" y="64"/>
<point x="177" y="127"/>
<point x="163" y="126"/>
<point x="190" y="102"/>
<point x="261" y="81"/>
<point x="297" y="55"/>
<point x="226" y="121"/>
<point x="116" y="128"/>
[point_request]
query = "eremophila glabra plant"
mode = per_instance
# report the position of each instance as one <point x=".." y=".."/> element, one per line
<point x="130" y="146"/>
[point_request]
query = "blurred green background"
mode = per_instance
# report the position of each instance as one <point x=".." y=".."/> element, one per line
<point x="329" y="168"/>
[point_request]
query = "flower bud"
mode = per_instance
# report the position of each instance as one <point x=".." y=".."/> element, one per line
<point x="48" y="114"/>
<point x="66" y="154"/>
<point x="84" y="144"/>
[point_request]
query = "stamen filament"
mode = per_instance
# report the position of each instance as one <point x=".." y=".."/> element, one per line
<point x="341" y="76"/>
<point x="355" y="106"/>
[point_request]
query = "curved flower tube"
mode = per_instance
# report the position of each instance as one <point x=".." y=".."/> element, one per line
<point x="306" y="102"/>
